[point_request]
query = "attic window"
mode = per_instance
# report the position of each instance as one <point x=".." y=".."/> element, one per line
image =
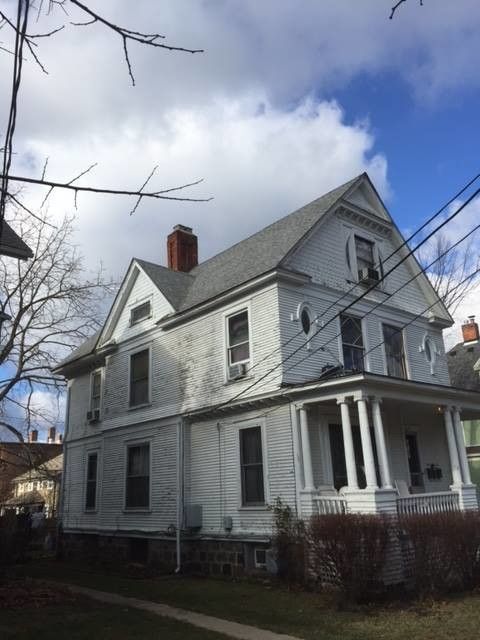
<point x="139" y="313"/>
<point x="364" y="251"/>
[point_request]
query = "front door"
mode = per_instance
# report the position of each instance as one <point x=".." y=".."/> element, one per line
<point x="414" y="464"/>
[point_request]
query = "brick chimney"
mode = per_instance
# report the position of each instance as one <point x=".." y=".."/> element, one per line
<point x="33" y="436"/>
<point x="470" y="330"/>
<point x="51" y="435"/>
<point x="182" y="249"/>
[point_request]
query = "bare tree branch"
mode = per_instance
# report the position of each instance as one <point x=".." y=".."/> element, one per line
<point x="397" y="5"/>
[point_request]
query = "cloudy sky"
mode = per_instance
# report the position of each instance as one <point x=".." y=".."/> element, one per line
<point x="289" y="99"/>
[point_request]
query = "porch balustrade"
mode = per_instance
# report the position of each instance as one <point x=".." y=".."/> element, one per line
<point x="424" y="503"/>
<point x="330" y="504"/>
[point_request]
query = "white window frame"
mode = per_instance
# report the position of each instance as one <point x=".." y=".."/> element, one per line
<point x="130" y="355"/>
<point x="226" y="342"/>
<point x="297" y="317"/>
<point x="364" y="234"/>
<point x="128" y="445"/>
<point x="100" y="371"/>
<point x="136" y="306"/>
<point x="434" y="351"/>
<point x="249" y="424"/>
<point x="363" y="324"/>
<point x="88" y="453"/>
<point x="384" y="350"/>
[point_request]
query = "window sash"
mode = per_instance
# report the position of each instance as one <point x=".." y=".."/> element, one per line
<point x="238" y="338"/>
<point x="91" y="484"/>
<point x="364" y="253"/>
<point x="352" y="343"/>
<point x="96" y="396"/>
<point x="394" y="351"/>
<point x="141" y="312"/>
<point x="251" y="466"/>
<point x="137" y="490"/>
<point x="139" y="377"/>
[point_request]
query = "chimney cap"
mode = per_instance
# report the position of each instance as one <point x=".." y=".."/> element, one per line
<point x="182" y="227"/>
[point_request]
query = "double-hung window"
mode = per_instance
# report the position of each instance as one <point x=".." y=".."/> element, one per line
<point x="251" y="466"/>
<point x="238" y="338"/>
<point x="394" y="351"/>
<point x="140" y="378"/>
<point x="96" y="390"/>
<point x="91" y="482"/>
<point x="137" y="489"/>
<point x="364" y="252"/>
<point x="352" y="343"/>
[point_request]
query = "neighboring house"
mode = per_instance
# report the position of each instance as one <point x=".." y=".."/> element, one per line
<point x="215" y="388"/>
<point x="13" y="246"/>
<point x="17" y="458"/>
<point x="464" y="368"/>
<point x="38" y="487"/>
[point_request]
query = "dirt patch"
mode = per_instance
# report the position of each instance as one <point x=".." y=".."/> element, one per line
<point x="22" y="594"/>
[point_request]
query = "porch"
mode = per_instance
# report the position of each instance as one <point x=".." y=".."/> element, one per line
<point x="383" y="446"/>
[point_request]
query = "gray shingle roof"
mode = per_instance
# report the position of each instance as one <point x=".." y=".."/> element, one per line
<point x="85" y="349"/>
<point x="12" y="245"/>
<point x="461" y="361"/>
<point x="173" y="284"/>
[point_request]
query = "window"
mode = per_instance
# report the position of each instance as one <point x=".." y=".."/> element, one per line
<point x="91" y="485"/>
<point x="238" y="338"/>
<point x="137" y="493"/>
<point x="96" y="390"/>
<point x="260" y="558"/>
<point x="364" y="252"/>
<point x="251" y="466"/>
<point x="139" y="378"/>
<point x="394" y="351"/>
<point x="352" y="343"/>
<point x="139" y="313"/>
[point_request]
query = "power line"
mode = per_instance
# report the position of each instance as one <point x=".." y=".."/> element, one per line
<point x="358" y="298"/>
<point x="388" y="257"/>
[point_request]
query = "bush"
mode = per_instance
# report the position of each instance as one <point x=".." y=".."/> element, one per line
<point x="349" y="550"/>
<point x="444" y="550"/>
<point x="288" y="543"/>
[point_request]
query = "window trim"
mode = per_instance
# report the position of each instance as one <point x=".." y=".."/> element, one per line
<point x="100" y="371"/>
<point x="149" y="399"/>
<point x="137" y="304"/>
<point x="233" y="311"/>
<point x="394" y="325"/>
<point x="128" y="444"/>
<point x="351" y="265"/>
<point x="88" y="453"/>
<point x="434" y="352"/>
<point x="363" y="326"/>
<point x="249" y="424"/>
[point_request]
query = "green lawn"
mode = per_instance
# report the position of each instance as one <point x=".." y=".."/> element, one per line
<point x="307" y="615"/>
<point x="87" y="620"/>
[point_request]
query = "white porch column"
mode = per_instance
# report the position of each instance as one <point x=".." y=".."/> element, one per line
<point x="306" y="452"/>
<point x="385" y="475"/>
<point x="462" y="452"/>
<point x="367" y="449"/>
<point x="452" y="448"/>
<point x="348" y="445"/>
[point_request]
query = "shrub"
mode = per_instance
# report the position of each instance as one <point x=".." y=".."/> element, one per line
<point x="349" y="550"/>
<point x="288" y="543"/>
<point x="444" y="550"/>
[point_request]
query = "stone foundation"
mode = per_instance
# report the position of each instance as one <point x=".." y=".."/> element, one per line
<point x="209" y="557"/>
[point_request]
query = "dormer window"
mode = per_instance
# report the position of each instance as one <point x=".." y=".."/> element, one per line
<point x="140" y="312"/>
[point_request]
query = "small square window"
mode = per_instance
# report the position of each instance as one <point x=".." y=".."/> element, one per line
<point x="141" y="312"/>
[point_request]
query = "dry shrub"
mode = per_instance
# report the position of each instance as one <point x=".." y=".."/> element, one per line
<point x="444" y="549"/>
<point x="349" y="550"/>
<point x="288" y="543"/>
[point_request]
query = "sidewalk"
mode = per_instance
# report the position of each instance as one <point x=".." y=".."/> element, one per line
<point x="226" y="627"/>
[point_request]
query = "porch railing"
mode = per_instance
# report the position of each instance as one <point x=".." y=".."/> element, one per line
<point x="330" y="504"/>
<point x="422" y="503"/>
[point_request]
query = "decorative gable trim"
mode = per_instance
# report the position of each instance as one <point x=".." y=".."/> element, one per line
<point x="364" y="219"/>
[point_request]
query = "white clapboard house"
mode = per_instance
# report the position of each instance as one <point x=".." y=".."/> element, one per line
<point x="215" y="388"/>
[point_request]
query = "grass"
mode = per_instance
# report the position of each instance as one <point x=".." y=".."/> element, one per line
<point x="84" y="620"/>
<point x="307" y="615"/>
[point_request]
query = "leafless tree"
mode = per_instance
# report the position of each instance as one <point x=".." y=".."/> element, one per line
<point x="451" y="265"/>
<point x="398" y="4"/>
<point x="53" y="306"/>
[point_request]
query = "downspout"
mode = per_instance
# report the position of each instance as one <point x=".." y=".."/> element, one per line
<point x="180" y="496"/>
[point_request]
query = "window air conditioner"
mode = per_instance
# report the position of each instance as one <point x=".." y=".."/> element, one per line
<point x="93" y="415"/>
<point x="237" y="371"/>
<point x="368" y="276"/>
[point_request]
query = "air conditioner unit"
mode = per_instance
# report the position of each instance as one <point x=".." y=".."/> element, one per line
<point x="237" y="371"/>
<point x="93" y="415"/>
<point x="368" y="276"/>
